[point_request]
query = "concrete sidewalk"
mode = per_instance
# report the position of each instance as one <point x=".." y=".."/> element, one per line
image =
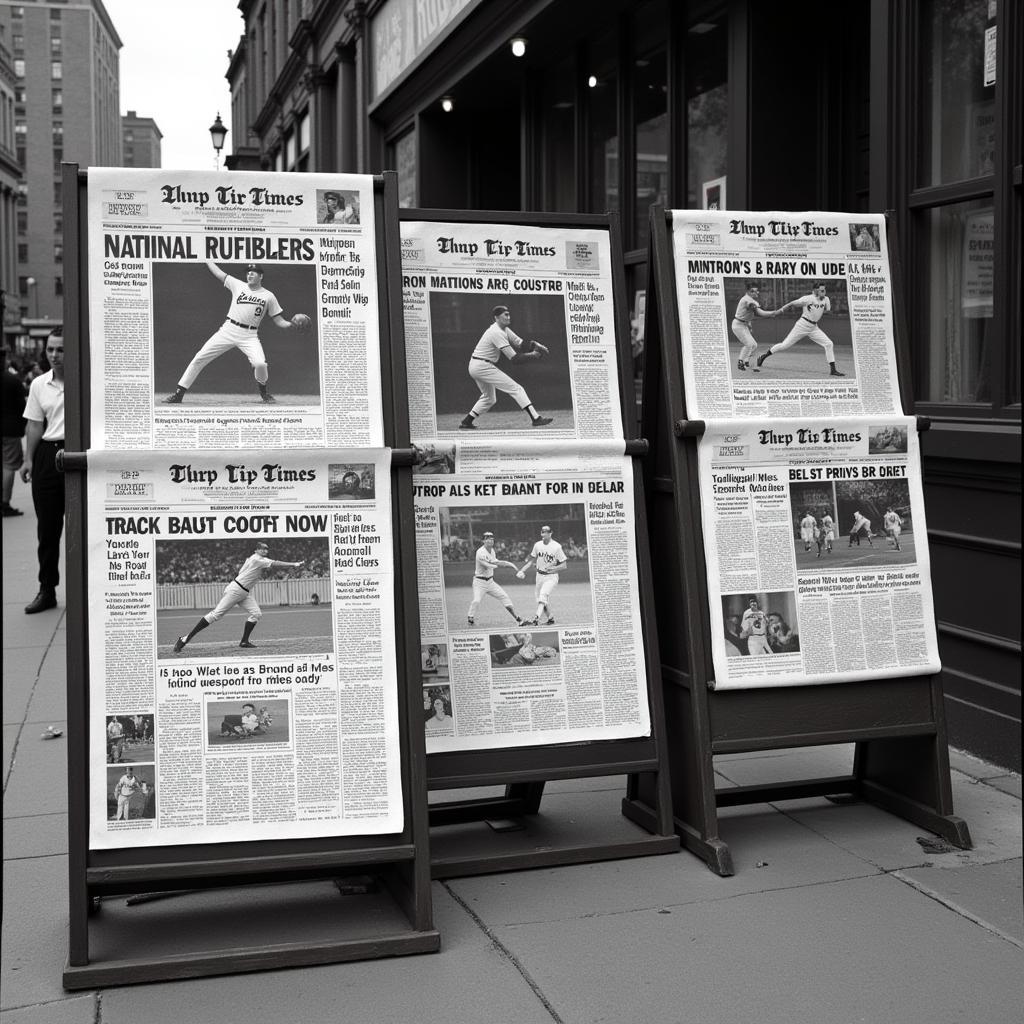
<point x="835" y="914"/>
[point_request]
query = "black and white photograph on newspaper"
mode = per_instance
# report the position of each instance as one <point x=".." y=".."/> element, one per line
<point x="816" y="548"/>
<point x="510" y="329"/>
<point x="242" y="616"/>
<point x="529" y="603"/>
<point x="230" y="310"/>
<point x="784" y="313"/>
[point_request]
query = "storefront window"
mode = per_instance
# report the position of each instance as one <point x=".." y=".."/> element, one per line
<point x="559" y="120"/>
<point x="602" y="101"/>
<point x="959" y="263"/>
<point x="957" y="86"/>
<point x="650" y="114"/>
<point x="405" y="167"/>
<point x="707" y="106"/>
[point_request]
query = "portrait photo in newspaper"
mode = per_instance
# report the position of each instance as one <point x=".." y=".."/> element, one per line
<point x="761" y="624"/>
<point x="337" y="206"/>
<point x="501" y="361"/>
<point x="350" y="481"/>
<point x="131" y="794"/>
<point x="227" y="335"/>
<point x="252" y="593"/>
<point x="506" y="566"/>
<point x="789" y="328"/>
<point x="129" y="739"/>
<point x="438" y="717"/>
<point x="434" y="661"/>
<point x="253" y="721"/>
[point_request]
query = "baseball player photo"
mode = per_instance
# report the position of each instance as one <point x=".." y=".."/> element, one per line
<point x="254" y="722"/>
<point x="125" y="787"/>
<point x="748" y="309"/>
<point x="350" y="481"/>
<point x="812" y="509"/>
<point x="864" y="238"/>
<point x="131" y="793"/>
<point x="524" y="650"/>
<point x="268" y="581"/>
<point x="337" y="206"/>
<point x="486" y="552"/>
<point x="550" y="559"/>
<point x="500" y="363"/>
<point x="812" y="307"/>
<point x="887" y="438"/>
<point x="187" y="299"/>
<point x="875" y="517"/>
<point x="766" y="624"/>
<point x="808" y="530"/>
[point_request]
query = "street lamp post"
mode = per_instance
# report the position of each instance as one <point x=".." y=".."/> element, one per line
<point x="218" y="133"/>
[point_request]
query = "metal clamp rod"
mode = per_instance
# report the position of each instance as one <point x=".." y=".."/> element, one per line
<point x="689" y="428"/>
<point x="923" y="423"/>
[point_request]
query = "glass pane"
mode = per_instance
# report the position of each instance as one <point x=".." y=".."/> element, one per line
<point x="559" y="120"/>
<point x="957" y="89"/>
<point x="958" y="258"/>
<point x="405" y="168"/>
<point x="707" y="106"/>
<point x="602" y="99"/>
<point x="650" y="107"/>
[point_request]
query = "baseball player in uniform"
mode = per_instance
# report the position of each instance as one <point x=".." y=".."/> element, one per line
<point x="754" y="629"/>
<point x="500" y="340"/>
<point x="483" y="580"/>
<point x="828" y="531"/>
<point x="893" y="523"/>
<point x="860" y="526"/>
<point x="124" y="789"/>
<point x="250" y="305"/>
<point x="812" y="308"/>
<point x="239" y="591"/>
<point x="747" y="309"/>
<point x="115" y="741"/>
<point x="808" y="527"/>
<point x="550" y="560"/>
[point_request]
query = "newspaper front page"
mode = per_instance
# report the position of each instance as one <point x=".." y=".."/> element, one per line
<point x="784" y="314"/>
<point x="816" y="549"/>
<point x="246" y="688"/>
<point x="477" y="297"/>
<point x="529" y="611"/>
<point x="200" y="284"/>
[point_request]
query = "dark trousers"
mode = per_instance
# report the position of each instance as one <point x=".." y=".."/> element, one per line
<point x="48" y="499"/>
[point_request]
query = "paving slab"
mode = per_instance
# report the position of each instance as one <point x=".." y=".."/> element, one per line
<point x="866" y="949"/>
<point x="11" y="733"/>
<point x="49" y="696"/>
<point x="21" y="670"/>
<point x="992" y="894"/>
<point x="961" y="761"/>
<point x="35" y="835"/>
<point x="789" y="854"/>
<point x="78" y="1010"/>
<point x="39" y="784"/>
<point x="1006" y="784"/>
<point x="799" y="763"/>
<point x="470" y="981"/>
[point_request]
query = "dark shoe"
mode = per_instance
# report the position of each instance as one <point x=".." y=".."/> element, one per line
<point x="543" y="421"/>
<point x="179" y="645"/>
<point x="246" y="643"/>
<point x="550" y="622"/>
<point x="467" y="424"/>
<point x="740" y="365"/>
<point x="836" y="373"/>
<point x="44" y="600"/>
<point x="471" y="620"/>
<point x="762" y="357"/>
<point x="268" y="399"/>
<point x="9" y="511"/>
<point x="174" y="399"/>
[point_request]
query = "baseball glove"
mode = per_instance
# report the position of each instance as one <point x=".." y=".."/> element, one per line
<point x="533" y="346"/>
<point x="521" y="574"/>
<point x="301" y="322"/>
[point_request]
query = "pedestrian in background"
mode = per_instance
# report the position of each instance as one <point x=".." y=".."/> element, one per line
<point x="44" y="437"/>
<point x="14" y="431"/>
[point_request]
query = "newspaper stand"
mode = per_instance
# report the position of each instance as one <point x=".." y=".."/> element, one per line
<point x="119" y="945"/>
<point x="901" y="760"/>
<point x="482" y="834"/>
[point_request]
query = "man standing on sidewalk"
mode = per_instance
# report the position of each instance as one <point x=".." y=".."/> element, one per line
<point x="14" y="431"/>
<point x="44" y="437"/>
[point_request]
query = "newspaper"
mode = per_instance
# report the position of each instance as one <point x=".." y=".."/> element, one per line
<point x="816" y="549"/>
<point x="246" y="687"/>
<point x="530" y="621"/>
<point x="785" y="314"/>
<point x="186" y="268"/>
<point x="465" y="367"/>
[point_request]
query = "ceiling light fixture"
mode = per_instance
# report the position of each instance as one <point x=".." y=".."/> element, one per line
<point x="447" y="104"/>
<point x="592" y="81"/>
<point x="519" y="47"/>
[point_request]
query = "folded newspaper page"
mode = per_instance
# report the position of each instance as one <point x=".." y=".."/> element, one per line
<point x="232" y="310"/>
<point x="816" y="549"/>
<point x="784" y="314"/>
<point x="247" y="686"/>
<point x="509" y="328"/>
<point x="529" y="616"/>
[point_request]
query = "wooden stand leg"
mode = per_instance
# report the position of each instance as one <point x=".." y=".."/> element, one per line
<point x="528" y="794"/>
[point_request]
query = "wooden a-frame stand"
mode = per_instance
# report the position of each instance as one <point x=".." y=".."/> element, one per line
<point x="477" y="835"/>
<point x="293" y="914"/>
<point x="901" y="760"/>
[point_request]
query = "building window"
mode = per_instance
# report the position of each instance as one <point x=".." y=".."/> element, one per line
<point x="58" y="101"/>
<point x="58" y="252"/>
<point x="55" y="44"/>
<point x="19" y="68"/>
<point x="56" y="70"/>
<point x="558" y="119"/>
<point x="650" y="116"/>
<point x="23" y="286"/>
<point x="22" y="217"/>
<point x="603" y="141"/>
<point x="23" y="252"/>
<point x="18" y="42"/>
<point x="707" y="106"/>
<point x="58" y="286"/>
<point x="404" y="162"/>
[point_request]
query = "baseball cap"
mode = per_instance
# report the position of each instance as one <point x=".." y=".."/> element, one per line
<point x="543" y="528"/>
<point x="498" y="310"/>
<point x="488" y="534"/>
<point x="254" y="266"/>
<point x="332" y="195"/>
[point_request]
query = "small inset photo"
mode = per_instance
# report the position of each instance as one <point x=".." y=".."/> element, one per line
<point x="433" y="662"/>
<point x="889" y="437"/>
<point x="760" y="625"/>
<point x="337" y="206"/>
<point x="437" y="710"/>
<point x="129" y="738"/>
<point x="231" y="723"/>
<point x="864" y="238"/>
<point x="350" y="481"/>
<point x="434" y="458"/>
<point x="524" y="649"/>
<point x="131" y="793"/>
<point x="876" y="524"/>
